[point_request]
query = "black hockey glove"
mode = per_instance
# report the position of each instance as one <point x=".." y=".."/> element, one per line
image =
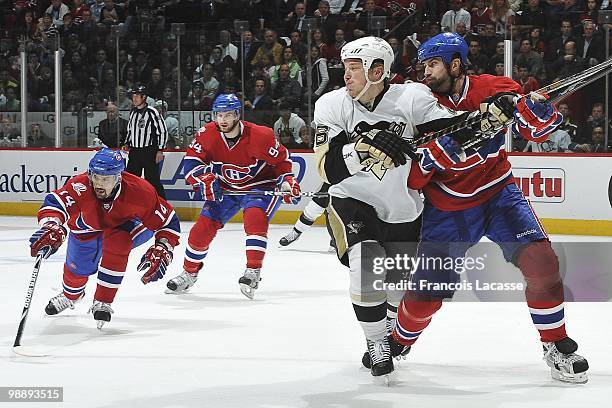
<point x="497" y="110"/>
<point x="382" y="146"/>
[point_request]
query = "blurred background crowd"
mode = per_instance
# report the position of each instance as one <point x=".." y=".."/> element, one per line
<point x="279" y="55"/>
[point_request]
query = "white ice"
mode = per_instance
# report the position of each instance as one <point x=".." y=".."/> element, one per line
<point x="296" y="345"/>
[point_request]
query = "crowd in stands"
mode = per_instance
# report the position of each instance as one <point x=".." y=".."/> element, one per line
<point x="551" y="39"/>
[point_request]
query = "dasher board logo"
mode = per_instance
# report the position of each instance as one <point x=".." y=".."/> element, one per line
<point x="543" y="185"/>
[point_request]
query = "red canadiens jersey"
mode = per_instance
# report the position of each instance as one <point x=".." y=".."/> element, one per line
<point x="85" y="215"/>
<point x="257" y="160"/>
<point x="486" y="170"/>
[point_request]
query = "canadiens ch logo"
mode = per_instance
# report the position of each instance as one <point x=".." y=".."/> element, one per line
<point x="79" y="188"/>
<point x="354" y="227"/>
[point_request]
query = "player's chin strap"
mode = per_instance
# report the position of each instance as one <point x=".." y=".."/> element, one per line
<point x="367" y="86"/>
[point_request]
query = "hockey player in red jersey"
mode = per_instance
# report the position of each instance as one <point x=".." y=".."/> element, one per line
<point x="234" y="155"/>
<point x="108" y="212"/>
<point x="473" y="196"/>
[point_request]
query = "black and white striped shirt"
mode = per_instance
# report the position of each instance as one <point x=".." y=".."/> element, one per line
<point x="146" y="127"/>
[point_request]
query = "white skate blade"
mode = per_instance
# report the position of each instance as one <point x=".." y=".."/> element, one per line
<point x="31" y="351"/>
<point x="386" y="380"/>
<point x="580" y="378"/>
<point x="176" y="292"/>
<point x="100" y="324"/>
<point x="247" y="291"/>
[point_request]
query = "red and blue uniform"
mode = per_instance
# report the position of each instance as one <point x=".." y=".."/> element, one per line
<point x="103" y="233"/>
<point x="478" y="198"/>
<point x="256" y="161"/>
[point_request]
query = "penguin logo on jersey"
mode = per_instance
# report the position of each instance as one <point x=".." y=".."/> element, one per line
<point x="362" y="128"/>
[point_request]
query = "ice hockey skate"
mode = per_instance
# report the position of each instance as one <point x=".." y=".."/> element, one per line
<point x="290" y="238"/>
<point x="380" y="355"/>
<point x="398" y="351"/>
<point x="249" y="282"/>
<point x="59" y="303"/>
<point x="565" y="365"/>
<point x="181" y="283"/>
<point x="101" y="312"/>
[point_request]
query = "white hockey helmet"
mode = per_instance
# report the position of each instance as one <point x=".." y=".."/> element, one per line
<point x="368" y="50"/>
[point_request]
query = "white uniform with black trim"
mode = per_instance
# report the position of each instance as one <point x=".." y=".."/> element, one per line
<point x="400" y="109"/>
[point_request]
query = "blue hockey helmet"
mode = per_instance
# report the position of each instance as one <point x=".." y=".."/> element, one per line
<point x="445" y="46"/>
<point x="106" y="162"/>
<point x="226" y="102"/>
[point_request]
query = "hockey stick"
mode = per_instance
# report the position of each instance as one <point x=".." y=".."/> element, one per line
<point x="28" y="301"/>
<point x="555" y="91"/>
<point x="273" y="193"/>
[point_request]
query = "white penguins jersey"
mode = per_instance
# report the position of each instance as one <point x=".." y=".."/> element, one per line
<point x="340" y="121"/>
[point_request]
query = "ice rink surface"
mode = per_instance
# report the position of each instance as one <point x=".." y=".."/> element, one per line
<point x="296" y="345"/>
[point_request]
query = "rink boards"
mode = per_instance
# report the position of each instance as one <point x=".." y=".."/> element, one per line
<point x="572" y="194"/>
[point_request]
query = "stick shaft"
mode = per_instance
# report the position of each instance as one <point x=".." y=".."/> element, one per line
<point x="28" y="301"/>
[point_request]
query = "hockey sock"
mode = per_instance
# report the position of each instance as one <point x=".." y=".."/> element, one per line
<point x="201" y="235"/>
<point x="116" y="247"/>
<point x="108" y="283"/>
<point x="540" y="267"/>
<point x="373" y="320"/>
<point x="414" y="315"/>
<point x="309" y="216"/>
<point x="256" y="228"/>
<point x="73" y="284"/>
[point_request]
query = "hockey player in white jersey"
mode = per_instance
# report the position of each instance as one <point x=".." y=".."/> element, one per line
<point x="360" y="149"/>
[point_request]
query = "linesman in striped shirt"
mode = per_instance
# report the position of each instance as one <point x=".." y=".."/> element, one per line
<point x="146" y="137"/>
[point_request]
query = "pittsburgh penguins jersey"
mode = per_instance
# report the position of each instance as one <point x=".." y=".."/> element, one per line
<point x="340" y="120"/>
<point x="256" y="161"/>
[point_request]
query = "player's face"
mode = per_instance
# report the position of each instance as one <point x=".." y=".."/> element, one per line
<point x="103" y="185"/>
<point x="354" y="76"/>
<point x="226" y="120"/>
<point x="436" y="75"/>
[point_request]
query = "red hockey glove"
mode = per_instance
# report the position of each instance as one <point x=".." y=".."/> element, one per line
<point x="291" y="186"/>
<point x="201" y="178"/>
<point x="155" y="261"/>
<point x="47" y="239"/>
<point x="535" y="119"/>
<point x="441" y="154"/>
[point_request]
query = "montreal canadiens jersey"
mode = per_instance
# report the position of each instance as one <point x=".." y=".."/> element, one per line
<point x="85" y="215"/>
<point x="256" y="161"/>
<point x="340" y="120"/>
<point x="486" y="169"/>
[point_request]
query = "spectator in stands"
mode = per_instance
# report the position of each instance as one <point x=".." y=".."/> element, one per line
<point x="112" y="131"/>
<point x="89" y="30"/>
<point x="68" y="28"/>
<point x="531" y="59"/>
<point x="298" y="47"/>
<point x="124" y="103"/>
<point x="227" y="48"/>
<point x="527" y="82"/>
<point x="250" y="48"/>
<point x="101" y="65"/>
<point x="43" y="91"/>
<point x="462" y="30"/>
<point x="556" y="43"/>
<point x="592" y="11"/>
<point x="595" y="119"/>
<point x="503" y="16"/>
<point x="559" y="141"/>
<point x="8" y="132"/>
<point x="567" y="125"/>
<point x="286" y="89"/>
<point x="130" y="77"/>
<point x="28" y="26"/>
<point x="49" y="29"/>
<point x="175" y="140"/>
<point x="498" y="57"/>
<point x="537" y="41"/>
<point x="258" y="107"/>
<point x="109" y="84"/>
<point x="295" y="20"/>
<point x="489" y="39"/>
<point x="320" y="76"/>
<point x="57" y="10"/>
<point x="327" y="22"/>
<point x="156" y="85"/>
<point x="170" y="97"/>
<point x="364" y="18"/>
<point x="531" y="15"/>
<point x="38" y="138"/>
<point x="318" y="40"/>
<point x="332" y="52"/>
<point x="290" y="60"/>
<point x="77" y="11"/>
<point x="596" y="143"/>
<point x="218" y="62"/>
<point x="569" y="63"/>
<point x="398" y="50"/>
<point x="288" y="126"/>
<point x="96" y="7"/>
<point x="208" y="83"/>
<point x="110" y="15"/>
<point x="499" y="69"/>
<point x="306" y="136"/>
<point x="454" y="15"/>
<point x="143" y="70"/>
<point x="270" y="49"/>
<point x="480" y="16"/>
<point x="590" y="47"/>
<point x="479" y="61"/>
